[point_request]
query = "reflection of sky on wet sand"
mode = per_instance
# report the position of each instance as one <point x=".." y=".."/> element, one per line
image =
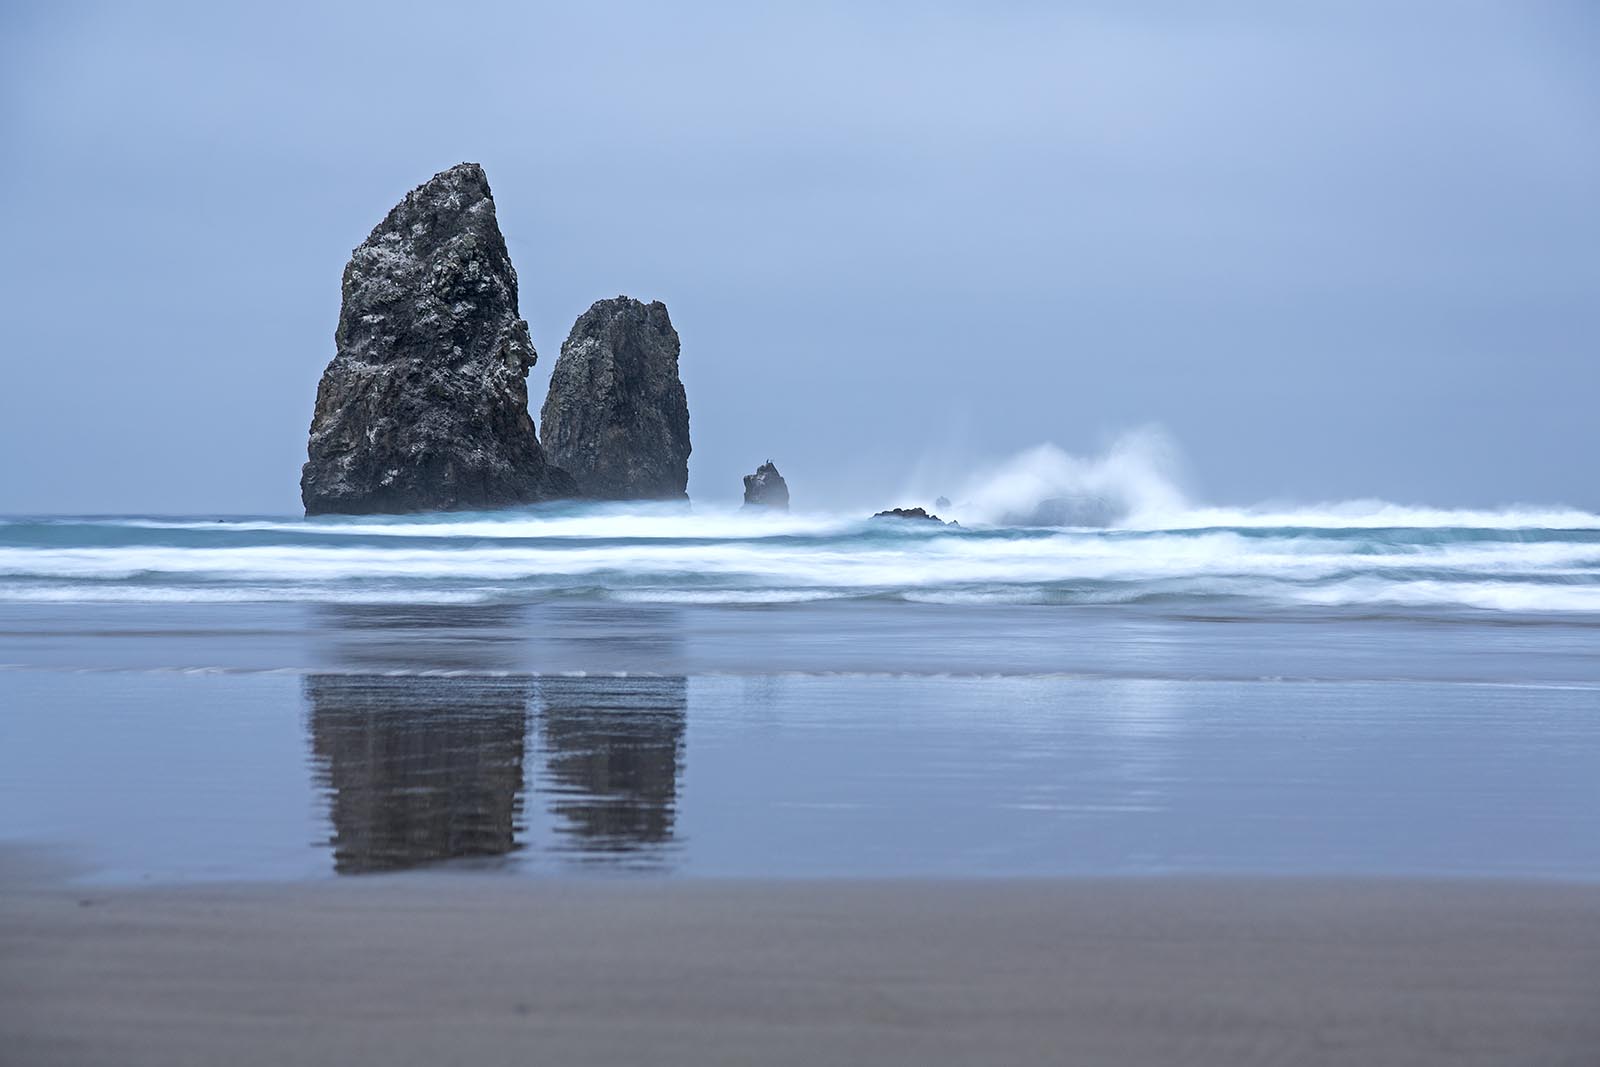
<point x="497" y="637"/>
<point x="868" y="637"/>
<point x="438" y="637"/>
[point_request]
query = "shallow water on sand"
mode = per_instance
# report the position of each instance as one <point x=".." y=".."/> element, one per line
<point x="177" y="743"/>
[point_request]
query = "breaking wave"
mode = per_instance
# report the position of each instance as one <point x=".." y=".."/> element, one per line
<point x="1134" y="483"/>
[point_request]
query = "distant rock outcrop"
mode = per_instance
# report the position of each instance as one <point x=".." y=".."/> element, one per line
<point x="766" y="488"/>
<point x="425" y="403"/>
<point x="616" y="417"/>
<point x="907" y="513"/>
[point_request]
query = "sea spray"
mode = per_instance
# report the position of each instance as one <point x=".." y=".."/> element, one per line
<point x="1135" y="481"/>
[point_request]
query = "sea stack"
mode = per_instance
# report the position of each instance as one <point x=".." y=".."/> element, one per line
<point x="425" y="404"/>
<point x="766" y="488"/>
<point x="616" y="417"/>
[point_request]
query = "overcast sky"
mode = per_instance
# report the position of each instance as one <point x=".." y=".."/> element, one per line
<point x="1333" y="250"/>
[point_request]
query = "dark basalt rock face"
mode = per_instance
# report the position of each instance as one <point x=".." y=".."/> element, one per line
<point x="766" y="488"/>
<point x="425" y="404"/>
<point x="616" y="417"/>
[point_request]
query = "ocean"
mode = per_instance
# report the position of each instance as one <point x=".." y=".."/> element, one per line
<point x="667" y="691"/>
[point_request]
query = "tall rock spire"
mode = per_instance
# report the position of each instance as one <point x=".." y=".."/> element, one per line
<point x="425" y="403"/>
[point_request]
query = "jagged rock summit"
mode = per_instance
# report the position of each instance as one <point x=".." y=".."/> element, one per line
<point x="616" y="417"/>
<point x="425" y="403"/>
<point x="766" y="488"/>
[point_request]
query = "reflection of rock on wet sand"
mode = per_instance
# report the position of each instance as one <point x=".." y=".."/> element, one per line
<point x="614" y="749"/>
<point x="419" y="769"/>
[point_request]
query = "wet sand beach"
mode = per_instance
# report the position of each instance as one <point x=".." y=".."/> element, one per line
<point x="424" y="969"/>
<point x="578" y="833"/>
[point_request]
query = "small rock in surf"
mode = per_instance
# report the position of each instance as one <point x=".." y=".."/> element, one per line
<point x="908" y="513"/>
<point x="766" y="488"/>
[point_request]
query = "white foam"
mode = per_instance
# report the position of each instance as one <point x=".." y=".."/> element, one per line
<point x="850" y="562"/>
<point x="1379" y="515"/>
<point x="636" y="521"/>
<point x="1520" y="597"/>
<point x="1074" y="566"/>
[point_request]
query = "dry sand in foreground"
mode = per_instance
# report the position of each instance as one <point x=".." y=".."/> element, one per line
<point x="484" y="971"/>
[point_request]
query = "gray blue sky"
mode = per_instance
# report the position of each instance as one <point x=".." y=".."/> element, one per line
<point x="1334" y="250"/>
